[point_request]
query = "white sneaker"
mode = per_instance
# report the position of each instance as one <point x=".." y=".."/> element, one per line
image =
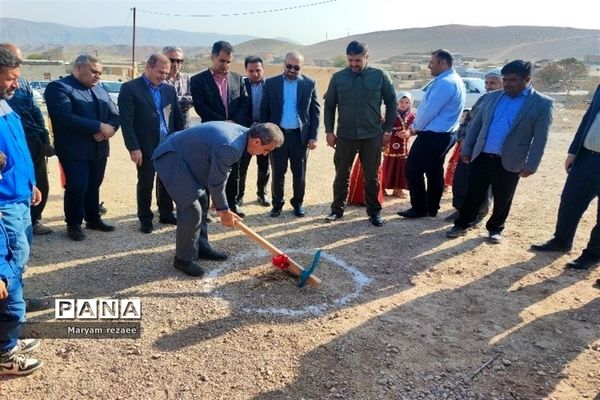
<point x="27" y="345"/>
<point x="495" y="237"/>
<point x="20" y="365"/>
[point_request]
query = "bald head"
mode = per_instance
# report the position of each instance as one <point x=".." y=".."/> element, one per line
<point x="13" y="49"/>
<point x="292" y="65"/>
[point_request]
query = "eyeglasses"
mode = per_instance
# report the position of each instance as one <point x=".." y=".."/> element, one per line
<point x="294" y="67"/>
<point x="176" y="60"/>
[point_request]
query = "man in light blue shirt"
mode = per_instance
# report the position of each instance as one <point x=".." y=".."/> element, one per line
<point x="290" y="101"/>
<point x="505" y="141"/>
<point x="438" y="118"/>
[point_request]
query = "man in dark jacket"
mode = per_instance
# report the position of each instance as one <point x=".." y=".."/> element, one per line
<point x="83" y="119"/>
<point x="582" y="186"/>
<point x="149" y="112"/>
<point x="220" y="95"/>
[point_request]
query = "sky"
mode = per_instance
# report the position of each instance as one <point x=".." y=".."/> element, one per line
<point x="305" y="21"/>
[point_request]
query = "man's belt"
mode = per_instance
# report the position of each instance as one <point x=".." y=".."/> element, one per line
<point x="284" y="130"/>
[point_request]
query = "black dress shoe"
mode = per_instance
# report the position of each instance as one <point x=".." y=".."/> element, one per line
<point x="146" y="226"/>
<point x="188" y="267"/>
<point x="551" y="245"/>
<point x="376" y="220"/>
<point x="75" y="233"/>
<point x="168" y="219"/>
<point x="238" y="210"/>
<point x="99" y="225"/>
<point x="583" y="262"/>
<point x="212" y="254"/>
<point x="412" y="213"/>
<point x="299" y="211"/>
<point x="264" y="201"/>
<point x="275" y="212"/>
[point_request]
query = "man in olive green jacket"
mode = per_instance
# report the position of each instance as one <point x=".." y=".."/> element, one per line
<point x="357" y="92"/>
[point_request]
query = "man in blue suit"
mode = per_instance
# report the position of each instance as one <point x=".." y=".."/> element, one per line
<point x="83" y="119"/>
<point x="582" y="186"/>
<point x="197" y="160"/>
<point x="505" y="142"/>
<point x="290" y="101"/>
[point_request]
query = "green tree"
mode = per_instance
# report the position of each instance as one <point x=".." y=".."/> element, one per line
<point x="574" y="69"/>
<point x="34" y="56"/>
<point x="339" y="61"/>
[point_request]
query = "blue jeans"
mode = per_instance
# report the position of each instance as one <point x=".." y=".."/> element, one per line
<point x="17" y="221"/>
<point x="12" y="308"/>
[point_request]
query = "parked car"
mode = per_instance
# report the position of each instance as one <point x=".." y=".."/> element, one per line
<point x="39" y="99"/>
<point x="112" y="87"/>
<point x="475" y="88"/>
<point x="40" y="86"/>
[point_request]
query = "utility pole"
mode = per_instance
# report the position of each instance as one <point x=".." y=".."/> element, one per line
<point x="133" y="48"/>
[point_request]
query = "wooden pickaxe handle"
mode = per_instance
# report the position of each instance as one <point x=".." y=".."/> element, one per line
<point x="296" y="268"/>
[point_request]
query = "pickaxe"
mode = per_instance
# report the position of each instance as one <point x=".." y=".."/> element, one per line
<point x="283" y="261"/>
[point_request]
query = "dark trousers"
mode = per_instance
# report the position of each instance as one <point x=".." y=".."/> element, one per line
<point x="262" y="175"/>
<point x="582" y="186"/>
<point x="145" y="184"/>
<point x="369" y="154"/>
<point x="192" y="229"/>
<point x="460" y="187"/>
<point x="82" y="189"/>
<point x="426" y="159"/>
<point x="296" y="153"/>
<point x="484" y="171"/>
<point x="232" y="187"/>
<point x="36" y="149"/>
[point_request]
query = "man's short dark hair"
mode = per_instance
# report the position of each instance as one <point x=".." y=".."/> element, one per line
<point x="519" y="67"/>
<point x="221" y="46"/>
<point x="252" y="60"/>
<point x="8" y="59"/>
<point x="356" y="48"/>
<point x="443" y="54"/>
<point x="156" y="58"/>
<point x="267" y="132"/>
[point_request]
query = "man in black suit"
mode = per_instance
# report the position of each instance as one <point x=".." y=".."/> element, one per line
<point x="149" y="112"/>
<point x="220" y="95"/>
<point x="582" y="186"/>
<point x="290" y="101"/>
<point x="254" y="87"/>
<point x="83" y="119"/>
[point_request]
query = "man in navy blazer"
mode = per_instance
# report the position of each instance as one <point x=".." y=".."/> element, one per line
<point x="220" y="95"/>
<point x="290" y="101"/>
<point x="83" y="119"/>
<point x="255" y="84"/>
<point x="582" y="186"/>
<point x="198" y="159"/>
<point x="149" y="112"/>
<point x="505" y="141"/>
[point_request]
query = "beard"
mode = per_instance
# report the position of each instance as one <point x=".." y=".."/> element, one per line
<point x="6" y="95"/>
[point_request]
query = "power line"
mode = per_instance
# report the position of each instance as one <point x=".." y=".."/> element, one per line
<point x="318" y="3"/>
<point x="123" y="28"/>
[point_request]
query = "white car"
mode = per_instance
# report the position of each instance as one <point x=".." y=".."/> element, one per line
<point x="39" y="99"/>
<point x="475" y="88"/>
<point x="112" y="87"/>
<point x="40" y="86"/>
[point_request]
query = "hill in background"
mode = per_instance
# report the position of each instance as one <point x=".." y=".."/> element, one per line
<point x="481" y="42"/>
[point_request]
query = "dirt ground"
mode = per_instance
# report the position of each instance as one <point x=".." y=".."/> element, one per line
<point x="402" y="312"/>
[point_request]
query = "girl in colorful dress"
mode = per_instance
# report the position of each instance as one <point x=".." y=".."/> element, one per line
<point x="394" y="157"/>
